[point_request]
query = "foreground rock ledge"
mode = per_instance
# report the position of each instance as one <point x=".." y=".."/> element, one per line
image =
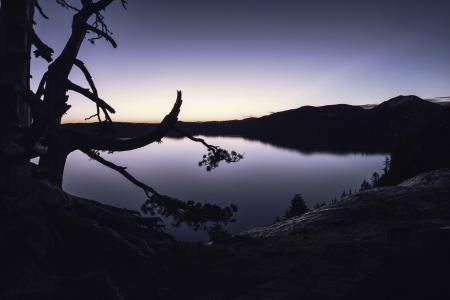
<point x="385" y="243"/>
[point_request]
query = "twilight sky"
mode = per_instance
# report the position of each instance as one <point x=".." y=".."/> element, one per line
<point x="239" y="58"/>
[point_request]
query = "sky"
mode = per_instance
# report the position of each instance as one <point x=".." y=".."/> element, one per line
<point x="240" y="58"/>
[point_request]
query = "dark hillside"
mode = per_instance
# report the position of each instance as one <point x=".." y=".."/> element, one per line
<point x="428" y="150"/>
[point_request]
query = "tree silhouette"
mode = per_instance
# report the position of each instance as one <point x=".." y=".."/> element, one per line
<point x="375" y="179"/>
<point x="365" y="185"/>
<point x="386" y="165"/>
<point x="297" y="207"/>
<point x="31" y="120"/>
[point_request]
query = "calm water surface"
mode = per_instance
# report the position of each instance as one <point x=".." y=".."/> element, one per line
<point x="262" y="184"/>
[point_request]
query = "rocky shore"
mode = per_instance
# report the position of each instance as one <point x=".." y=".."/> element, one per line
<point x="419" y="199"/>
<point x="384" y="243"/>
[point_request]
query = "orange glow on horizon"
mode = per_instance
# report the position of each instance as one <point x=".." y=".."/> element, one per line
<point x="202" y="104"/>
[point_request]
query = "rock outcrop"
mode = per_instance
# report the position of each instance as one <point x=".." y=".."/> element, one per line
<point x="384" y="243"/>
<point x="424" y="198"/>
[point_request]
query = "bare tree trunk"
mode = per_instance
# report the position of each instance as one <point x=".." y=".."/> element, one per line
<point x="16" y="19"/>
<point x="53" y="162"/>
<point x="16" y="39"/>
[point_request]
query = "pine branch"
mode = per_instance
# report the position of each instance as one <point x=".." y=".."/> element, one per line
<point x="192" y="213"/>
<point x="215" y="154"/>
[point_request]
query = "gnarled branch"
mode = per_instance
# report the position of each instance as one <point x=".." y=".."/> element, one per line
<point x="41" y="87"/>
<point x="69" y="54"/>
<point x="195" y="139"/>
<point x="40" y="10"/>
<point x="38" y="108"/>
<point x="122" y="170"/>
<point x="91" y="96"/>
<point x="101" y="33"/>
<point x="42" y="50"/>
<point x="64" y="4"/>
<point x="124" y="3"/>
<point x="190" y="212"/>
<point x="80" y="64"/>
<point x="94" y="7"/>
<point x="82" y="141"/>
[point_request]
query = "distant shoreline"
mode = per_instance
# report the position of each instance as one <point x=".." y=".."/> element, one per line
<point x="339" y="128"/>
<point x="445" y="101"/>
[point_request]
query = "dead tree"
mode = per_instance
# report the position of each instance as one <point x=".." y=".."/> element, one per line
<point x="52" y="143"/>
<point x="17" y="36"/>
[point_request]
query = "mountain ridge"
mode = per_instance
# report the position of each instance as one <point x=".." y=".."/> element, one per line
<point x="336" y="128"/>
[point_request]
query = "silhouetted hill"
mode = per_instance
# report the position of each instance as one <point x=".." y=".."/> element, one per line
<point x="338" y="128"/>
<point x="427" y="150"/>
<point x="410" y="102"/>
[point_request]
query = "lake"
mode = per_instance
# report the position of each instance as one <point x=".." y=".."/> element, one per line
<point x="261" y="185"/>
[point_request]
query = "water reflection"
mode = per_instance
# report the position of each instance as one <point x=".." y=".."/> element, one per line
<point x="261" y="185"/>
